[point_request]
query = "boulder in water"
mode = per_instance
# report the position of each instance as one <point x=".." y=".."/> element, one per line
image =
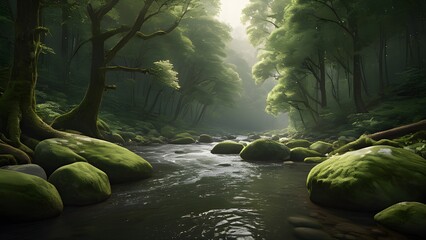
<point x="265" y="150"/>
<point x="227" y="147"/>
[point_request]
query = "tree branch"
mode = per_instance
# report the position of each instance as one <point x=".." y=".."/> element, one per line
<point x="127" y="69"/>
<point x="104" y="9"/>
<point x="114" y="32"/>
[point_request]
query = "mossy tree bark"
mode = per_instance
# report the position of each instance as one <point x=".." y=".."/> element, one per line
<point x="17" y="106"/>
<point x="84" y="118"/>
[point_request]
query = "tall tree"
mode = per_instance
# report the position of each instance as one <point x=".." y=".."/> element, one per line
<point x="84" y="117"/>
<point x="18" y="118"/>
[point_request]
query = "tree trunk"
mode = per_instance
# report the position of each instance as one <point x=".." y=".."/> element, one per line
<point x="399" y="131"/>
<point x="65" y="43"/>
<point x="321" y="61"/>
<point x="84" y="117"/>
<point x="357" y="72"/>
<point x="17" y="105"/>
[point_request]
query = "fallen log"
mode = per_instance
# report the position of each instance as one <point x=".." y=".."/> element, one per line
<point x="399" y="131"/>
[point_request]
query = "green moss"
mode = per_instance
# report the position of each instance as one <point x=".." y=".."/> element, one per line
<point x="388" y="143"/>
<point x="183" y="140"/>
<point x="315" y="159"/>
<point x="298" y="154"/>
<point x="404" y="217"/>
<point x="361" y="142"/>
<point x="368" y="179"/>
<point x="7" y="159"/>
<point x="25" y="197"/>
<point x="227" y="147"/>
<point x="120" y="164"/>
<point x="183" y="135"/>
<point x="265" y="150"/>
<point x="168" y="131"/>
<point x="81" y="184"/>
<point x="321" y="147"/>
<point x="205" y="138"/>
<point x="298" y="143"/>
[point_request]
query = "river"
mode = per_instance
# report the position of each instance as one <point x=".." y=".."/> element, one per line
<point x="197" y="195"/>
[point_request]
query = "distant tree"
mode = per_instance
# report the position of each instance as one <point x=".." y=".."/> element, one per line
<point x="84" y="117"/>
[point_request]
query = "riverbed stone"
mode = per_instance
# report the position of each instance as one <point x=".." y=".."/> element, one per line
<point x="81" y="184"/>
<point x="183" y="140"/>
<point x="265" y="150"/>
<point x="321" y="147"/>
<point x="369" y="179"/>
<point x="315" y="159"/>
<point x="298" y="154"/>
<point x="205" y="138"/>
<point x="302" y="221"/>
<point x="25" y="197"/>
<point x="298" y="143"/>
<point x="120" y="164"/>
<point x="404" y="217"/>
<point x="227" y="147"/>
<point x="32" y="169"/>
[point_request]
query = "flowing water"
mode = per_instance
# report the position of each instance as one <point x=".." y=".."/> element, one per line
<point x="197" y="195"/>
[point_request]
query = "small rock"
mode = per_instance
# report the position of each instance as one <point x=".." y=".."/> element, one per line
<point x="32" y="169"/>
<point x="224" y="165"/>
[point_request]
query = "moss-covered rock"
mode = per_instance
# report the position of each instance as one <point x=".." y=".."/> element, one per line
<point x="368" y="179"/>
<point x="227" y="147"/>
<point x="404" y="217"/>
<point x="418" y="148"/>
<point x="81" y="184"/>
<point x="127" y="136"/>
<point x="141" y="140"/>
<point x="182" y="135"/>
<point x="183" y="140"/>
<point x="120" y="164"/>
<point x="298" y="143"/>
<point x="168" y="131"/>
<point x="361" y="142"/>
<point x="321" y="147"/>
<point x="25" y="197"/>
<point x="315" y="159"/>
<point x="265" y="150"/>
<point x="51" y="155"/>
<point x="115" y="138"/>
<point x="205" y="138"/>
<point x="32" y="169"/>
<point x="298" y="154"/>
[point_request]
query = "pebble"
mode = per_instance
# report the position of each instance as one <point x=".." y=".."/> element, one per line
<point x="224" y="165"/>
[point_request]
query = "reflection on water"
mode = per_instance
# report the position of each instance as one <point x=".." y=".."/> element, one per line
<point x="193" y="195"/>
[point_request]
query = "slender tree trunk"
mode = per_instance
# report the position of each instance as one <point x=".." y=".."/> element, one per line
<point x="84" y="117"/>
<point x="357" y="72"/>
<point x="157" y="96"/>
<point x="321" y="61"/>
<point x="381" y="51"/>
<point x="65" y="43"/>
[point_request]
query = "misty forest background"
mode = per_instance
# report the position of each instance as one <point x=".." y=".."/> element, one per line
<point x="327" y="67"/>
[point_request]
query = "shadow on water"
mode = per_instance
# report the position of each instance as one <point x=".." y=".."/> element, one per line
<point x="197" y="195"/>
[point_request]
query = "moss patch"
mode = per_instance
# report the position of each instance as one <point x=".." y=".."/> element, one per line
<point x="120" y="164"/>
<point x="404" y="217"/>
<point x="265" y="150"/>
<point x="25" y="197"/>
<point x="183" y="140"/>
<point x="315" y="159"/>
<point x="368" y="179"/>
<point x="205" y="138"/>
<point x="298" y="154"/>
<point x="81" y="184"/>
<point x="321" y="147"/>
<point x="298" y="143"/>
<point x="227" y="147"/>
<point x="361" y="142"/>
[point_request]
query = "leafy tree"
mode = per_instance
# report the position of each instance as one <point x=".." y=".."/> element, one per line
<point x="84" y="117"/>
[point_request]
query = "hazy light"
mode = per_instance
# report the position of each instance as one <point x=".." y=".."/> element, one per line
<point x="231" y="11"/>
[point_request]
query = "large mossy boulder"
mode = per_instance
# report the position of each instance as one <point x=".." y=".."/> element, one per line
<point x="321" y="147"/>
<point x="298" y="143"/>
<point x="298" y="154"/>
<point x="24" y="197"/>
<point x="265" y="150"/>
<point x="227" y="147"/>
<point x="120" y="164"/>
<point x="368" y="179"/>
<point x="404" y="217"/>
<point x="81" y="184"/>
